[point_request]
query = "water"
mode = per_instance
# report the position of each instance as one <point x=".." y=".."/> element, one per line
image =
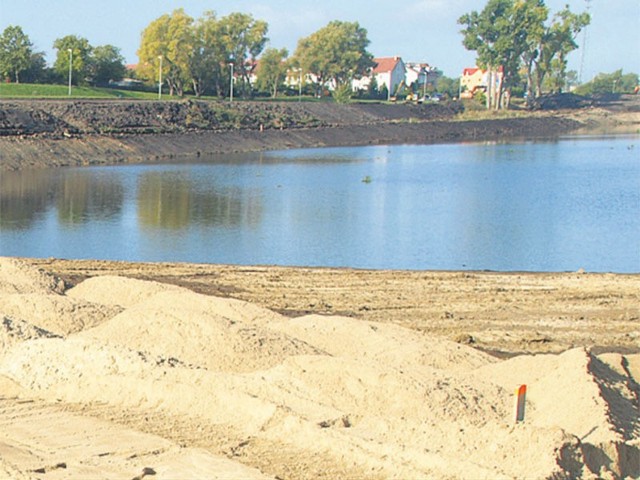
<point x="537" y="206"/>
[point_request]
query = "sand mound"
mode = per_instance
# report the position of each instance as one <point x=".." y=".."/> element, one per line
<point x="118" y="291"/>
<point x="386" y="343"/>
<point x="381" y="398"/>
<point x="13" y="331"/>
<point x="417" y="423"/>
<point x="56" y="313"/>
<point x="17" y="277"/>
<point x="196" y="329"/>
<point x="584" y="396"/>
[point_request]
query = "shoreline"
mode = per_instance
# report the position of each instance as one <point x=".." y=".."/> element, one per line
<point x="40" y="134"/>
<point x="506" y="313"/>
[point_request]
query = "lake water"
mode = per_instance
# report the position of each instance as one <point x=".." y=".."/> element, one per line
<point x="539" y="206"/>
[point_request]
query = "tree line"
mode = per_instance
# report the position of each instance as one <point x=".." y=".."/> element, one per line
<point x="518" y="42"/>
<point x="196" y="55"/>
<point x="199" y="54"/>
<point x="90" y="65"/>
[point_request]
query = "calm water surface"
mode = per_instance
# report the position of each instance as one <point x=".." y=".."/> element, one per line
<point x="543" y="206"/>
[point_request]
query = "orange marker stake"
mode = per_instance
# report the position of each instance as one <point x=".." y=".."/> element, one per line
<point x="521" y="393"/>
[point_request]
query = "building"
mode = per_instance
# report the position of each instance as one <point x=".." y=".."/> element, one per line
<point x="388" y="72"/>
<point x="418" y="73"/>
<point x="474" y="79"/>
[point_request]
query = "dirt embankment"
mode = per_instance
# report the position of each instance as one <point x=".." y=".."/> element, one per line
<point x="62" y="133"/>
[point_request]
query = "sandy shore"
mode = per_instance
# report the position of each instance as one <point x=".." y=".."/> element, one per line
<point x="106" y="373"/>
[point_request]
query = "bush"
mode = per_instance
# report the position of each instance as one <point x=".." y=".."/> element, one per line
<point x="343" y="93"/>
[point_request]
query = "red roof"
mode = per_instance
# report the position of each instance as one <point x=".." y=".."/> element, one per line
<point x="472" y="71"/>
<point x="385" y="64"/>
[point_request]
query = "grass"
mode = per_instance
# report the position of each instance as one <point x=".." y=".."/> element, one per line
<point x="28" y="90"/>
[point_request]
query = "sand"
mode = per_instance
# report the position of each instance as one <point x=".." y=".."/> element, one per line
<point x="128" y="378"/>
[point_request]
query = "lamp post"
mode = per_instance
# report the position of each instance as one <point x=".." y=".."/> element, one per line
<point x="299" y="84"/>
<point x="160" y="78"/>
<point x="70" y="67"/>
<point x="231" y="82"/>
<point x="426" y="78"/>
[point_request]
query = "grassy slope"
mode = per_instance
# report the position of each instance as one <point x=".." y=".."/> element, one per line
<point x="25" y="90"/>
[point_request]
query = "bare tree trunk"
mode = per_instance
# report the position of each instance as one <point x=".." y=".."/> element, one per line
<point x="499" y="93"/>
<point x="489" y="94"/>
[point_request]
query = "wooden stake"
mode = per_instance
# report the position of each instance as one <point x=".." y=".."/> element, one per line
<point x="521" y="393"/>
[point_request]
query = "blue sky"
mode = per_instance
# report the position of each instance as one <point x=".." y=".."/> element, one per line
<point x="416" y="30"/>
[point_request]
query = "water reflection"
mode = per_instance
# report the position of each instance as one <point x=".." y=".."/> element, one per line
<point x="77" y="197"/>
<point x="23" y="198"/>
<point x="174" y="200"/>
<point x="530" y="206"/>
<point x="81" y="197"/>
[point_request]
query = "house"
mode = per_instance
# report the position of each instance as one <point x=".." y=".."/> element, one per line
<point x="474" y="79"/>
<point x="418" y="73"/>
<point x="387" y="71"/>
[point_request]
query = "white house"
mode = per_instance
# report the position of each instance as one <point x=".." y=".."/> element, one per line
<point x="418" y="73"/>
<point x="387" y="71"/>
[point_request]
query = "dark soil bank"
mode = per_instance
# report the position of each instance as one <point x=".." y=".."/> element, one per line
<point x="63" y="133"/>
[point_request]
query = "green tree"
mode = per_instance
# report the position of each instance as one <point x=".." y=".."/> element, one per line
<point x="172" y="38"/>
<point x="106" y="64"/>
<point x="244" y="38"/>
<point x="605" y="83"/>
<point x="81" y="53"/>
<point x="272" y="70"/>
<point x="448" y="86"/>
<point x="508" y="34"/>
<point x="15" y="52"/>
<point x="558" y="41"/>
<point x="530" y="15"/>
<point x="209" y="55"/>
<point x="37" y="72"/>
<point x="336" y="53"/>
<point x="489" y="34"/>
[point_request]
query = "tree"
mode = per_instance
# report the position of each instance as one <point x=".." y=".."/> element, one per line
<point x="81" y="53"/>
<point x="272" y="70"/>
<point x="37" y="71"/>
<point x="510" y="33"/>
<point x="488" y="33"/>
<point x="244" y="39"/>
<point x="172" y="38"/>
<point x="448" y="86"/>
<point x="209" y="55"/>
<point x="606" y="83"/>
<point x="556" y="43"/>
<point x="336" y="53"/>
<point x="531" y="15"/>
<point x="107" y="64"/>
<point x="15" y="52"/>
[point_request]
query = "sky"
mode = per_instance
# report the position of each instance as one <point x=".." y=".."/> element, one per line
<point x="416" y="30"/>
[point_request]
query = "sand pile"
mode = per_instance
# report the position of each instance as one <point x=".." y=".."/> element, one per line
<point x="377" y="400"/>
<point x="16" y="277"/>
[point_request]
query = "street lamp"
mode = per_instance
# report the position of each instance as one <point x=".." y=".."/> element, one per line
<point x="70" y="67"/>
<point x="426" y="78"/>
<point x="299" y="84"/>
<point x="231" y="82"/>
<point x="160" y="78"/>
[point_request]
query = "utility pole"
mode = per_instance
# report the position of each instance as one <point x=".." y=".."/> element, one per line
<point x="160" y="78"/>
<point x="231" y="82"/>
<point x="584" y="44"/>
<point x="70" y="68"/>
